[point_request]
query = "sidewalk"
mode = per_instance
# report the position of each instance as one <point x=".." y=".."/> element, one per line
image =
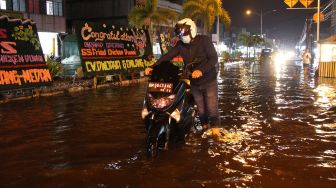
<point x="62" y="87"/>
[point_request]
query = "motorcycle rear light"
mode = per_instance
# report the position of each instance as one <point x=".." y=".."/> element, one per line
<point x="161" y="102"/>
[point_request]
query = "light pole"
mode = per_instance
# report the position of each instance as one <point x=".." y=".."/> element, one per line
<point x="262" y="14"/>
<point x="318" y="29"/>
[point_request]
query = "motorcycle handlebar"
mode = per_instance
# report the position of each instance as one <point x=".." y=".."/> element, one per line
<point x="187" y="71"/>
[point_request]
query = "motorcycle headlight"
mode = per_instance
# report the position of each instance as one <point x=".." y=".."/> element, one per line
<point x="144" y="113"/>
<point x="176" y="115"/>
<point x="161" y="102"/>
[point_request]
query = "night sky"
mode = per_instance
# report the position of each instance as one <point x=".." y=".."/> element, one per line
<point x="286" y="25"/>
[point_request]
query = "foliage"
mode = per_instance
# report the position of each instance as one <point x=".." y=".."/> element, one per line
<point x="245" y="39"/>
<point x="206" y="11"/>
<point x="55" y="67"/>
<point x="79" y="72"/>
<point x="257" y="41"/>
<point x="234" y="56"/>
<point x="226" y="56"/>
<point x="26" y="34"/>
<point x="251" y="41"/>
<point x="237" y="55"/>
<point x="145" y="15"/>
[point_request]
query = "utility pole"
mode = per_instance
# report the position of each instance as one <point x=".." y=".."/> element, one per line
<point x="292" y="3"/>
<point x="261" y="23"/>
<point x="217" y="29"/>
<point x="308" y="33"/>
<point x="249" y="12"/>
<point x="318" y="28"/>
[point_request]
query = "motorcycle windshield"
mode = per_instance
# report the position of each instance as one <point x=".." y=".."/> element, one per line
<point x="165" y="72"/>
<point x="164" y="87"/>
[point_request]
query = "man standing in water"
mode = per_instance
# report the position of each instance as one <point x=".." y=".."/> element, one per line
<point x="306" y="56"/>
<point x="204" y="86"/>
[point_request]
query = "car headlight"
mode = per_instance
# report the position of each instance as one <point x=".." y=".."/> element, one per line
<point x="161" y="102"/>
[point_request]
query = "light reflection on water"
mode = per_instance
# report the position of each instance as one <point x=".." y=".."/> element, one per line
<point x="296" y="112"/>
<point x="283" y="125"/>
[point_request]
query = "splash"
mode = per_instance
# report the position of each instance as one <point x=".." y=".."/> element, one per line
<point x="226" y="136"/>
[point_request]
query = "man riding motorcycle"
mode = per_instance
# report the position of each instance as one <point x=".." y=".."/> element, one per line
<point x="204" y="86"/>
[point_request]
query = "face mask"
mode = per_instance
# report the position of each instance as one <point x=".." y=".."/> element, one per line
<point x="186" y="39"/>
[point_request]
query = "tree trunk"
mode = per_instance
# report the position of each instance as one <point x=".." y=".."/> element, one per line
<point x="254" y="52"/>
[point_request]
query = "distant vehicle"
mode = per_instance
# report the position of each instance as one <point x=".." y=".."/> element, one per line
<point x="266" y="55"/>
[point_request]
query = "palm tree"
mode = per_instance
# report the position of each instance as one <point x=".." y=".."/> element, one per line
<point x="150" y="14"/>
<point x="256" y="41"/>
<point x="251" y="41"/>
<point x="206" y="11"/>
<point x="245" y="39"/>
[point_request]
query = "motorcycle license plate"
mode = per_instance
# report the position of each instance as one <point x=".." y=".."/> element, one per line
<point x="162" y="87"/>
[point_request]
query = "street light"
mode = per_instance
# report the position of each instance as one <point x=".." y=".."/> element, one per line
<point x="249" y="12"/>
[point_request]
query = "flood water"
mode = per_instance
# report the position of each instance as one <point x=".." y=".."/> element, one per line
<point x="285" y="120"/>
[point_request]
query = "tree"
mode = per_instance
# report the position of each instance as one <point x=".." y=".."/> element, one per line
<point x="206" y="11"/>
<point x="256" y="41"/>
<point x="150" y="14"/>
<point x="251" y="41"/>
<point x="246" y="41"/>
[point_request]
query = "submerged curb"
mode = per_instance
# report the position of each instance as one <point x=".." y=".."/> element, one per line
<point x="66" y="88"/>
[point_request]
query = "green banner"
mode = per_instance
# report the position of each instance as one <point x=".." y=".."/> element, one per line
<point x="22" y="64"/>
<point x="107" y="49"/>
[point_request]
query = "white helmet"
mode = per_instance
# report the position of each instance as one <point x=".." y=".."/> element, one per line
<point x="186" y="27"/>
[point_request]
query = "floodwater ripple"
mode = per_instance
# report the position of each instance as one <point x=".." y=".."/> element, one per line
<point x="280" y="128"/>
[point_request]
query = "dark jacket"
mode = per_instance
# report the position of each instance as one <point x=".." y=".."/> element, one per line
<point x="202" y="49"/>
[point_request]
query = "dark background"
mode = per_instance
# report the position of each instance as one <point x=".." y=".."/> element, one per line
<point x="285" y="25"/>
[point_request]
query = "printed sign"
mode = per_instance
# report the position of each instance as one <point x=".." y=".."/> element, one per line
<point x="291" y="3"/>
<point x="22" y="63"/>
<point x="328" y="53"/>
<point x="306" y="3"/>
<point x="107" y="49"/>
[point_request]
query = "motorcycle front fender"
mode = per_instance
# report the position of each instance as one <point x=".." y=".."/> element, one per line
<point x="155" y="130"/>
<point x="160" y="132"/>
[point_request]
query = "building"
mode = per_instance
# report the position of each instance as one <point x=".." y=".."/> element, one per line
<point x="47" y="14"/>
<point x="108" y="11"/>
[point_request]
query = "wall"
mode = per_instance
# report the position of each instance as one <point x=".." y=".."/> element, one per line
<point x="48" y="23"/>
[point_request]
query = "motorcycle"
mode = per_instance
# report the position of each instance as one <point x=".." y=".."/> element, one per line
<point x="169" y="109"/>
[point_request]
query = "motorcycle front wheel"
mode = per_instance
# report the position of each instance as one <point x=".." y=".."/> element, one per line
<point x="152" y="148"/>
<point x="154" y="142"/>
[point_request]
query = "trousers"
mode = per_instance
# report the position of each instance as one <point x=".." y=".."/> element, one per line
<point x="206" y="99"/>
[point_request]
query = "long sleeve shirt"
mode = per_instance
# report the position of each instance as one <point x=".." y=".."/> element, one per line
<point x="202" y="49"/>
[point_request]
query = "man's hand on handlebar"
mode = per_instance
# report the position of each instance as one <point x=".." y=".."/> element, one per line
<point x="148" y="71"/>
<point x="196" y="74"/>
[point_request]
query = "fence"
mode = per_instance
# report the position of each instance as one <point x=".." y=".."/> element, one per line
<point x="327" y="69"/>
